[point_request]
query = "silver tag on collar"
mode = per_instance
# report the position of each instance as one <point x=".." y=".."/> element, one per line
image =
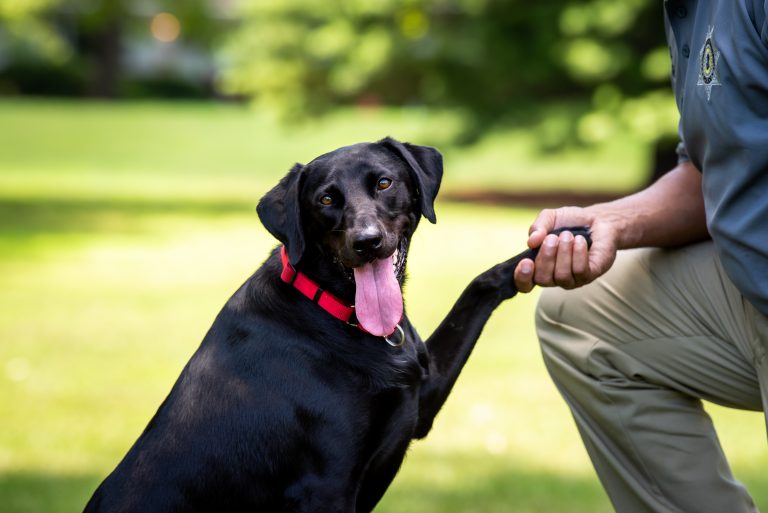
<point x="396" y="338"/>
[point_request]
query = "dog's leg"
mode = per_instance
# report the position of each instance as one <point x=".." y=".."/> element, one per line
<point x="452" y="342"/>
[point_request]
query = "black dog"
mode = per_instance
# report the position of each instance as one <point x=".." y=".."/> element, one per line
<point x="295" y="401"/>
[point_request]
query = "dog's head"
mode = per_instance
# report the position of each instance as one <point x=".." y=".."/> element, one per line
<point x="356" y="203"/>
<point x="356" y="207"/>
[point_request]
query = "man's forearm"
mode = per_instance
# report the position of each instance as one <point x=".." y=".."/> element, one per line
<point x="668" y="213"/>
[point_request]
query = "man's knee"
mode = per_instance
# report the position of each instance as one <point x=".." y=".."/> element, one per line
<point x="566" y="344"/>
<point x="550" y="327"/>
<point x="557" y="312"/>
<point x="550" y="306"/>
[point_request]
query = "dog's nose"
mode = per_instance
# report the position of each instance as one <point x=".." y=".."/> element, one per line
<point x="367" y="240"/>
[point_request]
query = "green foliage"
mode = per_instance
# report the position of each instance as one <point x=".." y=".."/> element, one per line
<point x="26" y="34"/>
<point x="491" y="62"/>
<point x="77" y="47"/>
<point x="486" y="58"/>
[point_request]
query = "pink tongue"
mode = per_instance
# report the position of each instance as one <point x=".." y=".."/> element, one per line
<point x="378" y="300"/>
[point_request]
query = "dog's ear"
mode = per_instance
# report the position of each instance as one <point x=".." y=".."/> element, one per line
<point x="426" y="167"/>
<point x="280" y="213"/>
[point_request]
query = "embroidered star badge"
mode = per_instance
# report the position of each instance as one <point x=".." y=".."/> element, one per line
<point x="708" y="57"/>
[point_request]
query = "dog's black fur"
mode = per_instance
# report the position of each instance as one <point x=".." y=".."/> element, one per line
<point x="284" y="408"/>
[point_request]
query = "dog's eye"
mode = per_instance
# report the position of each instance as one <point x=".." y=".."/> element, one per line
<point x="326" y="200"/>
<point x="383" y="183"/>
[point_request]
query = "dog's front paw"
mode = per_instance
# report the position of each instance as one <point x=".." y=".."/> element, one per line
<point x="505" y="271"/>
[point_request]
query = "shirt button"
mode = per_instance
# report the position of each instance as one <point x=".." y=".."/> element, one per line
<point x="686" y="51"/>
<point x="681" y="12"/>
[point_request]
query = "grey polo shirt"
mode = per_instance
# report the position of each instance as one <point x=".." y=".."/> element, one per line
<point x="719" y="52"/>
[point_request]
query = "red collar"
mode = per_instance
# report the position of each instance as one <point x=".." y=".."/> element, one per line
<point x="312" y="290"/>
<point x="327" y="301"/>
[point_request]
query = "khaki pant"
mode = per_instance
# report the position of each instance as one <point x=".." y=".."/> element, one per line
<point x="634" y="352"/>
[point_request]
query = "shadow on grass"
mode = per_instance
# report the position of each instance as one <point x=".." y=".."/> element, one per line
<point x="45" y="493"/>
<point x="56" y="214"/>
<point x="26" y="225"/>
<point x="512" y="491"/>
<point x="503" y="490"/>
<point x="507" y="489"/>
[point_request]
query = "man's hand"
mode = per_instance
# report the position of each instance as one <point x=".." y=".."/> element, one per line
<point x="668" y="213"/>
<point x="564" y="260"/>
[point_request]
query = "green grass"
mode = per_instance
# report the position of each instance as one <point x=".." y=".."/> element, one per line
<point x="110" y="276"/>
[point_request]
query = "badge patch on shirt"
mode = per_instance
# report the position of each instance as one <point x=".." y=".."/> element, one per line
<point x="708" y="57"/>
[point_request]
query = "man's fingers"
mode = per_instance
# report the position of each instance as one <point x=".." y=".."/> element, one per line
<point x="563" y="272"/>
<point x="543" y="272"/>
<point x="524" y="275"/>
<point x="536" y="237"/>
<point x="544" y="223"/>
<point x="563" y="261"/>
<point x="580" y="261"/>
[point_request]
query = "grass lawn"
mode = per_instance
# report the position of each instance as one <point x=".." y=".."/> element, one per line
<point x="124" y="228"/>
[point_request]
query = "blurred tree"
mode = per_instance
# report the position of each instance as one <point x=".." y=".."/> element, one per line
<point x="28" y="41"/>
<point x="492" y="59"/>
<point x="78" y="47"/>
